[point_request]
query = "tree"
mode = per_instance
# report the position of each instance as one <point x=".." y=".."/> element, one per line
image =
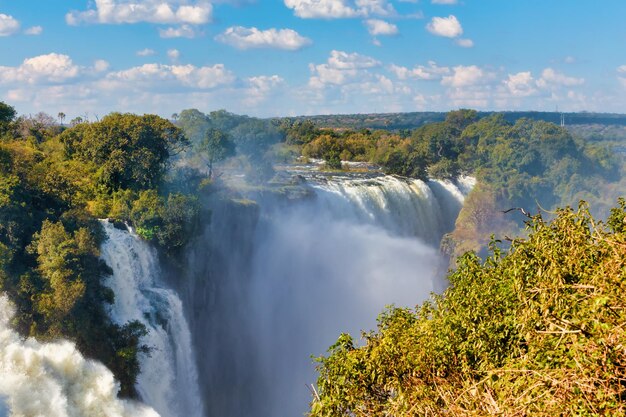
<point x="61" y="117"/>
<point x="7" y="113"/>
<point x="130" y="151"/>
<point x="216" y="146"/>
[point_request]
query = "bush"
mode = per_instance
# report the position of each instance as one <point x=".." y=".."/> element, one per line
<point x="538" y="330"/>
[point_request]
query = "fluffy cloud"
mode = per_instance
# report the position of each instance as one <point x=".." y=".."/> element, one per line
<point x="8" y="25"/>
<point x="260" y="88"/>
<point x="183" y="31"/>
<point x="340" y="68"/>
<point x="157" y="76"/>
<point x="429" y="72"/>
<point x="152" y="11"/>
<point x="551" y="79"/>
<point x="521" y="84"/>
<point x="34" y="31"/>
<point x="465" y="43"/>
<point x="380" y="27"/>
<point x="466" y="76"/>
<point x="338" y="9"/>
<point x="245" y="38"/>
<point x="346" y="61"/>
<point x="444" y="1"/>
<point x="50" y="68"/>
<point x="448" y="27"/>
<point x="146" y="52"/>
<point x="173" y="54"/>
<point x="100" y="65"/>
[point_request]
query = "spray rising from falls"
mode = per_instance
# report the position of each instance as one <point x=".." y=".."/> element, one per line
<point x="168" y="378"/>
<point x="54" y="380"/>
<point x="319" y="266"/>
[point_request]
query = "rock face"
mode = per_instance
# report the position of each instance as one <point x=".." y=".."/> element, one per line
<point x="212" y="283"/>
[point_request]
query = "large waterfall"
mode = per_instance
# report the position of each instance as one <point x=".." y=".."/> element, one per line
<point x="264" y="300"/>
<point x="168" y="378"/>
<point x="266" y="286"/>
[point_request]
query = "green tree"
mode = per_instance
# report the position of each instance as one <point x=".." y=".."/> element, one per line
<point x="215" y="147"/>
<point x="130" y="151"/>
<point x="7" y="113"/>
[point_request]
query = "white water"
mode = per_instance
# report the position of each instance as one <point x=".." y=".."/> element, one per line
<point x="403" y="206"/>
<point x="54" y="380"/>
<point x="331" y="264"/>
<point x="168" y="378"/>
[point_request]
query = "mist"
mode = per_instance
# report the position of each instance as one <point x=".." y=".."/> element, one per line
<point x="318" y="265"/>
<point x="55" y="380"/>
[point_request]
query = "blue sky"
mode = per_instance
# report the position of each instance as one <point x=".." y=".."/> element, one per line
<point x="289" y="57"/>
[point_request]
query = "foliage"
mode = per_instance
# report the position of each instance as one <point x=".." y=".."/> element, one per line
<point x="130" y="151"/>
<point x="538" y="330"/>
<point x="214" y="147"/>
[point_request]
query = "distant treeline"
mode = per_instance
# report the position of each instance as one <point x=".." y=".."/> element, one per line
<point x="400" y="121"/>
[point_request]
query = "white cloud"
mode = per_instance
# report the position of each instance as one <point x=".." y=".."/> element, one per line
<point x="100" y="65"/>
<point x="429" y="72"/>
<point x="183" y="31"/>
<point x="465" y="43"/>
<point x="245" y="38"/>
<point x="448" y="27"/>
<point x="260" y="87"/>
<point x="444" y="2"/>
<point x="146" y="52"/>
<point x="8" y="25"/>
<point x="338" y="9"/>
<point x="34" y="31"/>
<point x="155" y="76"/>
<point x="380" y="27"/>
<point x="173" y="54"/>
<point x="465" y="76"/>
<point x="152" y="11"/>
<point x="50" y="68"/>
<point x="521" y="84"/>
<point x="340" y="68"/>
<point x="551" y="79"/>
<point x="344" y="60"/>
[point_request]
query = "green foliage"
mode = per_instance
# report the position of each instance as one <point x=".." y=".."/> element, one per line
<point x="538" y="330"/>
<point x="7" y="114"/>
<point x="129" y="151"/>
<point x="170" y="222"/>
<point x="214" y="147"/>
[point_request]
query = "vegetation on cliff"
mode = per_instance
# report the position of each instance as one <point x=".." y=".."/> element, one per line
<point x="535" y="330"/>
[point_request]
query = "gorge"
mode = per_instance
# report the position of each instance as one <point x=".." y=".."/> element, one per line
<point x="235" y="333"/>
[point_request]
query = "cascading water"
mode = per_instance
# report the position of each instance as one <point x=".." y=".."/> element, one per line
<point x="319" y="266"/>
<point x="168" y="378"/>
<point x="54" y="380"/>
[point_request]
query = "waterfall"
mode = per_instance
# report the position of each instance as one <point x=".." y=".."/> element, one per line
<point x="55" y="380"/>
<point x="168" y="378"/>
<point x="317" y="267"/>
<point x="403" y="206"/>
